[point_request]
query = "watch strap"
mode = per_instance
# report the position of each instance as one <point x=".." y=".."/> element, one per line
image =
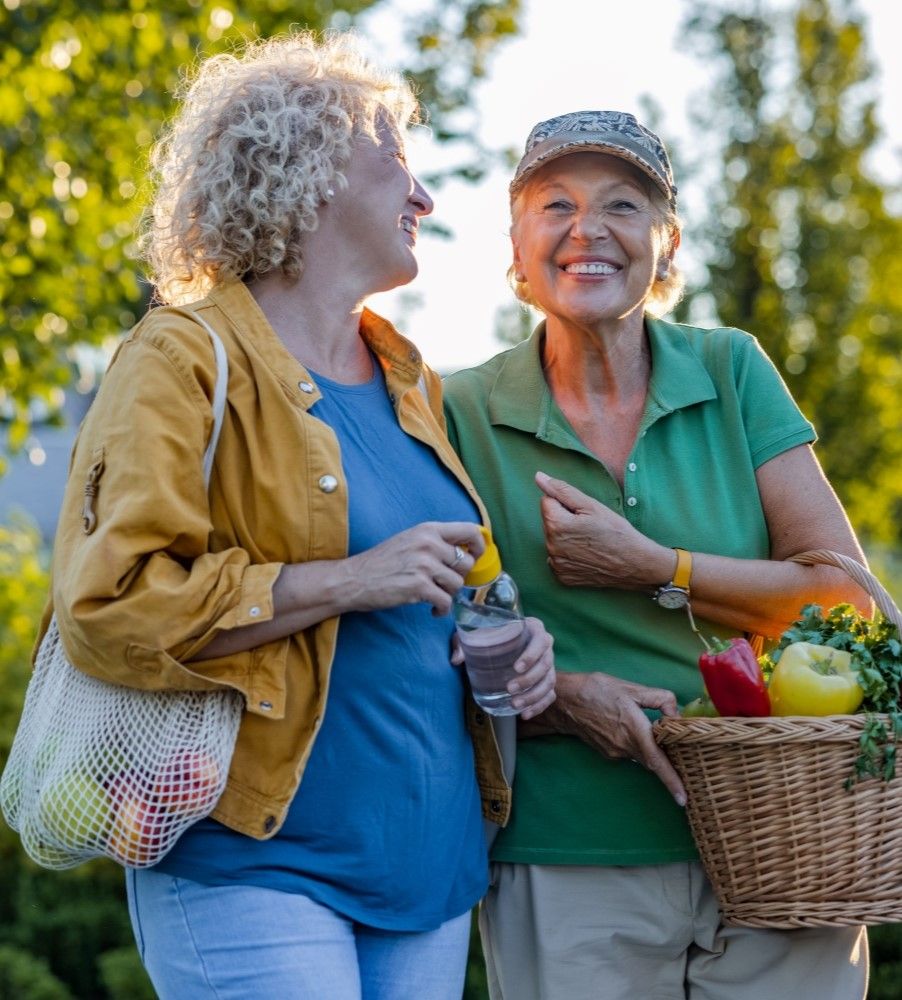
<point x="683" y="572"/>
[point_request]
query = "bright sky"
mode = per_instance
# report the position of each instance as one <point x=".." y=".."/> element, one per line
<point x="572" y="55"/>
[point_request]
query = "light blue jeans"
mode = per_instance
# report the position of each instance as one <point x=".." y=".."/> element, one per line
<point x="242" y="942"/>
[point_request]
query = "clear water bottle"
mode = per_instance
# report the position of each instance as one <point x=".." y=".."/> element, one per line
<point x="491" y="630"/>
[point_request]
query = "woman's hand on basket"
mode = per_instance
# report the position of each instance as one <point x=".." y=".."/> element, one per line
<point x="605" y="712"/>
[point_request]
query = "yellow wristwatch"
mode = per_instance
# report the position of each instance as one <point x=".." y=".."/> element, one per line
<point x="675" y="594"/>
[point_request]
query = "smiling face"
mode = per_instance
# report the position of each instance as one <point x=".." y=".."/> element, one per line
<point x="589" y="239"/>
<point x="374" y="219"/>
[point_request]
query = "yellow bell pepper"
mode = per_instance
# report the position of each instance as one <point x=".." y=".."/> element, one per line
<point x="814" y="680"/>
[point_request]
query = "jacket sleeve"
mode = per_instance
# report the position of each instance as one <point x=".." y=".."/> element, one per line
<point x="142" y="592"/>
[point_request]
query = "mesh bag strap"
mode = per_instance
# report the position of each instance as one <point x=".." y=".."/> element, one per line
<point x="219" y="396"/>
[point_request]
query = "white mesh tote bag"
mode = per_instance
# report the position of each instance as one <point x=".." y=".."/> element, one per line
<point x="100" y="769"/>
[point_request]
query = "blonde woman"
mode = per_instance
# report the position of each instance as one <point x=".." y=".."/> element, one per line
<point x="316" y="577"/>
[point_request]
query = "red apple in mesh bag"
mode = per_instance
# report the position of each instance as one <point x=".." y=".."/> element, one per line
<point x="140" y="822"/>
<point x="188" y="783"/>
<point x="140" y="826"/>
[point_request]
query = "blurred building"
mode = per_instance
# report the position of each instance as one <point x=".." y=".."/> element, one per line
<point x="36" y="476"/>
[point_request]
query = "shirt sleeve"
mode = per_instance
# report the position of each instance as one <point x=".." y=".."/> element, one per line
<point x="146" y="589"/>
<point x="774" y="423"/>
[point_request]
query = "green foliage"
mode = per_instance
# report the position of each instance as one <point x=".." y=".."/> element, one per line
<point x="802" y="242"/>
<point x="23" y="590"/>
<point x="84" y="88"/>
<point x="123" y="975"/>
<point x="476" y="983"/>
<point x="886" y="962"/>
<point x="23" y="975"/>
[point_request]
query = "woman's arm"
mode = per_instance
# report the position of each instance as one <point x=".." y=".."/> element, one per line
<point x="590" y="545"/>
<point x="411" y="567"/>
<point x="802" y="513"/>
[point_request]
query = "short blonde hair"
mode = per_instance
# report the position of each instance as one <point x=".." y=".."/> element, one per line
<point x="665" y="292"/>
<point x="260" y="139"/>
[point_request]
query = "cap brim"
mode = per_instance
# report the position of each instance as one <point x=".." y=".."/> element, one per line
<point x="591" y="146"/>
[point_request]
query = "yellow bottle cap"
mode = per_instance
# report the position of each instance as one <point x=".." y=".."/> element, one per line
<point x="488" y="565"/>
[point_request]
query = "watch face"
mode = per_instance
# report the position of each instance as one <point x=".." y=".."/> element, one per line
<point x="672" y="597"/>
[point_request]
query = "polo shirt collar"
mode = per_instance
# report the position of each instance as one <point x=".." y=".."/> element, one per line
<point x="521" y="398"/>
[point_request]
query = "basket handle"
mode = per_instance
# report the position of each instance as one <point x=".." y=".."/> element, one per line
<point x="863" y="577"/>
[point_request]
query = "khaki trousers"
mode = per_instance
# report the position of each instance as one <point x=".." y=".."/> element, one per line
<point x="651" y="932"/>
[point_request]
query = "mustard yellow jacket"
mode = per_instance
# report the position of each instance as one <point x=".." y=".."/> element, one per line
<point x="168" y="566"/>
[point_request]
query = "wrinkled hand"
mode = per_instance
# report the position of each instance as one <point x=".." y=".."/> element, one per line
<point x="418" y="565"/>
<point x="533" y="689"/>
<point x="605" y="712"/>
<point x="591" y="546"/>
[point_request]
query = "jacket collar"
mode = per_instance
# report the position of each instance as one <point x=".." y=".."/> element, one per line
<point x="520" y="396"/>
<point x="399" y="358"/>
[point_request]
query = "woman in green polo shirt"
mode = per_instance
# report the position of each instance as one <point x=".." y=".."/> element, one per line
<point x="625" y="460"/>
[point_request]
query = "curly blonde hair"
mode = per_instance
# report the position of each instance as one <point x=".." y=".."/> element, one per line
<point x="260" y="139"/>
<point x="665" y="292"/>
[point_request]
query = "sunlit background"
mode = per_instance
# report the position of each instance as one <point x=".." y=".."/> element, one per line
<point x="792" y="229"/>
<point x="572" y="55"/>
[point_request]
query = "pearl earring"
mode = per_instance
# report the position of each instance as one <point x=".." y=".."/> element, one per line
<point x="663" y="273"/>
<point x="330" y="193"/>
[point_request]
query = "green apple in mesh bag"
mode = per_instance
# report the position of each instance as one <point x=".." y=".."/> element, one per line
<point x="76" y="810"/>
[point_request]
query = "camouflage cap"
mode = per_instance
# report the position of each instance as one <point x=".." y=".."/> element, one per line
<point x="614" y="132"/>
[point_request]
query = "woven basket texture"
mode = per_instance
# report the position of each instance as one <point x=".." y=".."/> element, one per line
<point x="783" y="842"/>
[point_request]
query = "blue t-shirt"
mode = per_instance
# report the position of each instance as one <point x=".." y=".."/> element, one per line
<point x="386" y="826"/>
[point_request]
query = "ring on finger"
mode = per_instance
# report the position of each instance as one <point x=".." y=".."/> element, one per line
<point x="459" y="553"/>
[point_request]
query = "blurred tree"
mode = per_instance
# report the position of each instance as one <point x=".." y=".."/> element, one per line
<point x="802" y="239"/>
<point x="23" y="975"/>
<point x="514" y="322"/>
<point x="84" y="87"/>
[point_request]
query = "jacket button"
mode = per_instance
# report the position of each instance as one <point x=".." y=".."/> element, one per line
<point x="307" y="387"/>
<point x="495" y="806"/>
<point x="266" y="706"/>
<point x="269" y="824"/>
<point x="328" y="484"/>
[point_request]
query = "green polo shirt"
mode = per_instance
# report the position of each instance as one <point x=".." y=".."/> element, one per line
<point x="716" y="410"/>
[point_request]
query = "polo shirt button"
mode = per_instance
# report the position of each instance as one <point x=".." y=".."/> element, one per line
<point x="307" y="387"/>
<point x="328" y="484"/>
<point x="631" y="502"/>
<point x="266" y="706"/>
<point x="269" y="824"/>
<point x="495" y="806"/>
<point x="479" y="718"/>
<point x="632" y="466"/>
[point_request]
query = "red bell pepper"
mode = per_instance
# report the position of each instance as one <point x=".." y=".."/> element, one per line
<point x="733" y="678"/>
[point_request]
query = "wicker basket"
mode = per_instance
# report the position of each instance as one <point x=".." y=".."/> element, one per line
<point x="784" y="844"/>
